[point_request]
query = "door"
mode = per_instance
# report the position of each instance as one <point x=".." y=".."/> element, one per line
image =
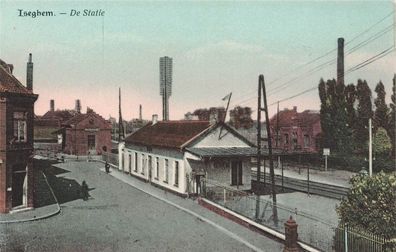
<point x="236" y="172"/>
<point x="19" y="189"/>
<point x="92" y="144"/>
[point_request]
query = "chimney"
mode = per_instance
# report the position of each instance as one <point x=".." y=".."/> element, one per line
<point x="213" y="118"/>
<point x="77" y="106"/>
<point x="295" y="108"/>
<point x="29" y="73"/>
<point x="10" y="68"/>
<point x="340" y="61"/>
<point x="140" y="112"/>
<point x="52" y="105"/>
<point x="155" y="119"/>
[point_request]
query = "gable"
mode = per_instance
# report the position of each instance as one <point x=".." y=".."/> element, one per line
<point x="92" y="121"/>
<point x="228" y="139"/>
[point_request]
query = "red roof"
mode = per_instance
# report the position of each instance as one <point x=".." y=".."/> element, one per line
<point x="62" y="115"/>
<point x="80" y="117"/>
<point x="171" y="134"/>
<point x="8" y="82"/>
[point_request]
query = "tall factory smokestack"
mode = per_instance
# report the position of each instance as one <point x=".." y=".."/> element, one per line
<point x="340" y="61"/>
<point x="29" y="73"/>
<point x="140" y="112"/>
<point x="77" y="106"/>
<point x="52" y="105"/>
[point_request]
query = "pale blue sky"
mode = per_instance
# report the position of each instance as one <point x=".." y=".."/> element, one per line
<point x="217" y="47"/>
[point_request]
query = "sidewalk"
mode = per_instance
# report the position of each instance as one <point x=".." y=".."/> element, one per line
<point x="47" y="206"/>
<point x="253" y="240"/>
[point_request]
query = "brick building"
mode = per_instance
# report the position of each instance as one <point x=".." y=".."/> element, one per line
<point x="86" y="134"/>
<point x="297" y="131"/>
<point x="16" y="139"/>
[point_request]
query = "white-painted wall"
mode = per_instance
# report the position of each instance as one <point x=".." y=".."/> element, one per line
<point x="142" y="169"/>
<point x="227" y="140"/>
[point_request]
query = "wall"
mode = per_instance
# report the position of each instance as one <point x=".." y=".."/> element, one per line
<point x="142" y="169"/>
<point x="220" y="171"/>
<point x="227" y="139"/>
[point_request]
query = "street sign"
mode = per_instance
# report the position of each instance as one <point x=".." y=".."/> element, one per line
<point x="326" y="151"/>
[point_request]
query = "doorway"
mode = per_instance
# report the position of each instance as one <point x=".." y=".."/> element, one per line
<point x="236" y="173"/>
<point x="19" y="189"/>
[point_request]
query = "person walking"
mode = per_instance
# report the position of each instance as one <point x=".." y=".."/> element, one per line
<point x="84" y="191"/>
<point x="107" y="167"/>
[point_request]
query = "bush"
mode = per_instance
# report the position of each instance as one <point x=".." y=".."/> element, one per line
<point x="371" y="204"/>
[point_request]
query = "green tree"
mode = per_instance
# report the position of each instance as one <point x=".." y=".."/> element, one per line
<point x="391" y="129"/>
<point x="381" y="113"/>
<point x="381" y="143"/>
<point x="371" y="204"/>
<point x="364" y="112"/>
<point x="334" y="119"/>
<point x="241" y="117"/>
<point x="350" y="98"/>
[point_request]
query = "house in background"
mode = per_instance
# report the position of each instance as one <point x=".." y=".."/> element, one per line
<point x="298" y="132"/>
<point x="16" y="139"/>
<point x="176" y="155"/>
<point x="85" y="134"/>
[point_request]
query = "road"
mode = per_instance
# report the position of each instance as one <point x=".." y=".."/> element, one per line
<point x="118" y="217"/>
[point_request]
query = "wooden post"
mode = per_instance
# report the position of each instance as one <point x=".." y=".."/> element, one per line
<point x="291" y="236"/>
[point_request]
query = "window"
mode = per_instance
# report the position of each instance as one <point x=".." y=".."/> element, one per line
<point x="150" y="166"/>
<point x="176" y="173"/>
<point x="286" y="139"/>
<point x="166" y="172"/>
<point x="236" y="173"/>
<point x="130" y="163"/>
<point x="307" y="141"/>
<point x="91" y="142"/>
<point x="122" y="160"/>
<point x="143" y="164"/>
<point x="136" y="163"/>
<point x="156" y="167"/>
<point x="20" y="126"/>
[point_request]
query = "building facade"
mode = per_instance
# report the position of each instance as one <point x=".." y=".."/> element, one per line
<point x="86" y="134"/>
<point x="176" y="155"/>
<point x="16" y="139"/>
<point x="296" y="132"/>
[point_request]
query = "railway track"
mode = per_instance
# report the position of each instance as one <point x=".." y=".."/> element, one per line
<point x="312" y="187"/>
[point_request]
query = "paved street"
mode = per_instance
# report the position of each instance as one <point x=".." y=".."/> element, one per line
<point x="118" y="217"/>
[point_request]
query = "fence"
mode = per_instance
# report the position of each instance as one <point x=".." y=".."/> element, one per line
<point x="111" y="158"/>
<point x="353" y="240"/>
<point x="312" y="230"/>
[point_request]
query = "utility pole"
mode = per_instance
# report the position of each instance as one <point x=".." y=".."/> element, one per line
<point x="272" y="173"/>
<point x="121" y="131"/>
<point x="370" y="148"/>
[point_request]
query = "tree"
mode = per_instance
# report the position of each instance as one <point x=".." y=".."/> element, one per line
<point x="364" y="112"/>
<point x="381" y="143"/>
<point x="334" y="120"/>
<point x="381" y="113"/>
<point x="350" y="98"/>
<point x="391" y="129"/>
<point x="241" y="117"/>
<point x="371" y="204"/>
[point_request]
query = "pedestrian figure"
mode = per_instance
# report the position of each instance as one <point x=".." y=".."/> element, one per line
<point x="84" y="191"/>
<point x="107" y="167"/>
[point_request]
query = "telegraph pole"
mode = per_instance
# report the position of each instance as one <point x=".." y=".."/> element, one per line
<point x="272" y="173"/>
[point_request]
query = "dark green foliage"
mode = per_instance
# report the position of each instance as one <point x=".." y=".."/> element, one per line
<point x="381" y="113"/>
<point x="371" y="204"/>
<point x="334" y="119"/>
<point x="350" y="98"/>
<point x="364" y="112"/>
<point x="391" y="129"/>
<point x="241" y="117"/>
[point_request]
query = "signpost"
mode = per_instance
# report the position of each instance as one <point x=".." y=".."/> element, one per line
<point x="326" y="152"/>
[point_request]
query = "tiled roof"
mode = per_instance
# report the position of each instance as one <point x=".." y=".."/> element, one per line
<point x="171" y="134"/>
<point x="224" y="151"/>
<point x="79" y="117"/>
<point x="62" y="115"/>
<point x="8" y="82"/>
